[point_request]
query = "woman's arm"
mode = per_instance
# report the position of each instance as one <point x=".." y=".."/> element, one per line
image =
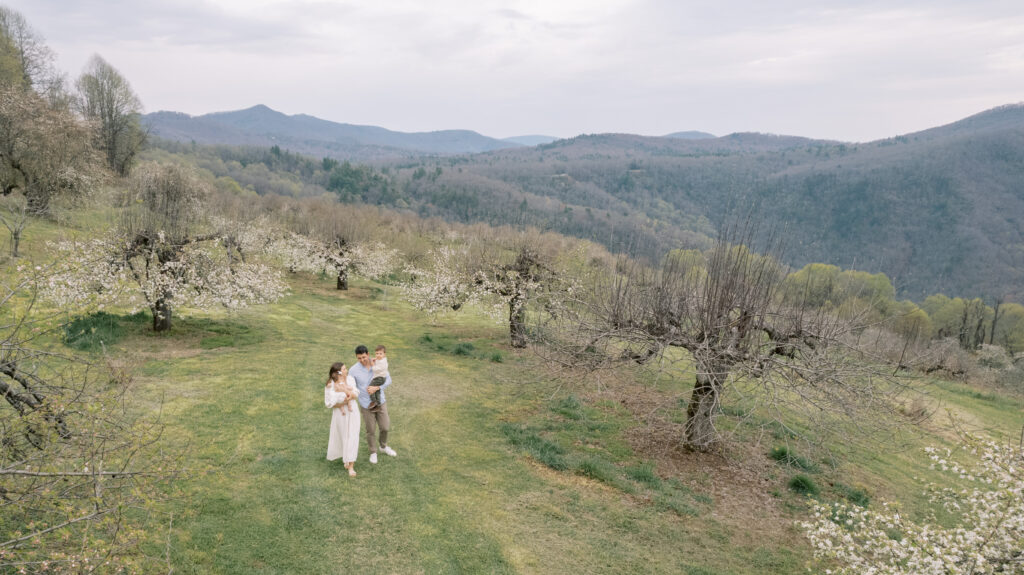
<point x="350" y="392"/>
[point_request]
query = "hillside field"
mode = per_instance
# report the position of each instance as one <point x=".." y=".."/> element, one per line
<point x="500" y="468"/>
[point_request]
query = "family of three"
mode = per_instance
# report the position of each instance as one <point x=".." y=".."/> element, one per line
<point x="361" y="386"/>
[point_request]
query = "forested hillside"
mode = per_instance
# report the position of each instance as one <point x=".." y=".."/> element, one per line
<point x="938" y="211"/>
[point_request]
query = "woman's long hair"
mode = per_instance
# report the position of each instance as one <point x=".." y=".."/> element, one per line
<point x="335" y="368"/>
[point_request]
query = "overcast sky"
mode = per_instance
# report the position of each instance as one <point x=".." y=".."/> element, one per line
<point x="844" y="70"/>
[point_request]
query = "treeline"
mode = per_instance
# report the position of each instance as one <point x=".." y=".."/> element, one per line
<point x="970" y="322"/>
<point x="58" y="138"/>
<point x="934" y="213"/>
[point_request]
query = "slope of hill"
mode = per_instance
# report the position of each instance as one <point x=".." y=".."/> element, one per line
<point x="690" y="135"/>
<point x="939" y="210"/>
<point x="532" y="140"/>
<point x="262" y="126"/>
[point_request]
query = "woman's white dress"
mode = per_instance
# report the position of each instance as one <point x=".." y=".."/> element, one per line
<point x="344" y="438"/>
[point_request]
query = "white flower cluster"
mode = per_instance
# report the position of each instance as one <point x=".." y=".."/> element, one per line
<point x="373" y="260"/>
<point x="87" y="273"/>
<point x="508" y="291"/>
<point x="250" y="237"/>
<point x="299" y="253"/>
<point x="108" y="271"/>
<point x="443" y="285"/>
<point x="988" y="536"/>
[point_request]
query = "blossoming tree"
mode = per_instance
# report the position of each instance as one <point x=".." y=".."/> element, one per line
<point x="443" y="283"/>
<point x="162" y="256"/>
<point x="371" y="259"/>
<point x="507" y="281"/>
<point x="988" y="536"/>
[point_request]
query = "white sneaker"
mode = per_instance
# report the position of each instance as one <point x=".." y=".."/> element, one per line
<point x="389" y="451"/>
<point x="373" y="458"/>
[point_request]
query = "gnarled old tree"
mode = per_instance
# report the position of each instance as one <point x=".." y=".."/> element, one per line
<point x="724" y="308"/>
<point x="506" y="280"/>
<point x="167" y="252"/>
<point x="322" y="236"/>
<point x="516" y="284"/>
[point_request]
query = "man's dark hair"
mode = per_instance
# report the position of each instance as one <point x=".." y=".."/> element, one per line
<point x="360" y="350"/>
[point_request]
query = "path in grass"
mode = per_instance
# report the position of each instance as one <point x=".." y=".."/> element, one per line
<point x="457" y="499"/>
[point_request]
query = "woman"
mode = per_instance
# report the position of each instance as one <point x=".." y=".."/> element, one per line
<point x="339" y="396"/>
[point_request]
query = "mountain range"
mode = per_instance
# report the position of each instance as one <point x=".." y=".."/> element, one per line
<point x="941" y="210"/>
<point x="262" y="126"/>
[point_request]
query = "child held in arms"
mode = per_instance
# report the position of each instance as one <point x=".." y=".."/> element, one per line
<point x="380" y="375"/>
<point x="345" y="393"/>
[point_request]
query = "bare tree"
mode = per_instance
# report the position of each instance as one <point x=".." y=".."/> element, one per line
<point x="14" y="215"/>
<point x="107" y="99"/>
<point x="725" y="310"/>
<point x="33" y="57"/>
<point x="82" y="479"/>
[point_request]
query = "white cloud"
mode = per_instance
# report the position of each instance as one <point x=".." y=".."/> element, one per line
<point x="835" y="69"/>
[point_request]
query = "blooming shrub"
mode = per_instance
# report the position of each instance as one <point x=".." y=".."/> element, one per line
<point x="988" y="536"/>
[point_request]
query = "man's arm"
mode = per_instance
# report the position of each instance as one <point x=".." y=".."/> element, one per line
<point x="374" y="388"/>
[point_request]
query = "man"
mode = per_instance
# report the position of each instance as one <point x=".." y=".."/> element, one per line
<point x="377" y="418"/>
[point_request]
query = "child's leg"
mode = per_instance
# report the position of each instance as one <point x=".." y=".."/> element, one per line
<point x="375" y="396"/>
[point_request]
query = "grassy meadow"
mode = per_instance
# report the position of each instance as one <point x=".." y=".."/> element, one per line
<point x="501" y="468"/>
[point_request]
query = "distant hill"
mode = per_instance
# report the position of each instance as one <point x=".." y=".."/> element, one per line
<point x="262" y="126"/>
<point x="690" y="135"/>
<point x="530" y="140"/>
<point x="940" y="210"/>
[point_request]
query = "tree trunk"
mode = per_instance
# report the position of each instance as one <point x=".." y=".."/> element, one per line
<point x="15" y="241"/>
<point x="704" y="406"/>
<point x="161" y="314"/>
<point x="517" y="323"/>
<point x="995" y="320"/>
<point x="342" y="279"/>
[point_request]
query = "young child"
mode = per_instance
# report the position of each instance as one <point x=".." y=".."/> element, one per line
<point x="339" y="385"/>
<point x="380" y="374"/>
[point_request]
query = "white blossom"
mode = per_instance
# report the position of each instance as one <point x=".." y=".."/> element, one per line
<point x="441" y="286"/>
<point x="112" y="270"/>
<point x="987" y="538"/>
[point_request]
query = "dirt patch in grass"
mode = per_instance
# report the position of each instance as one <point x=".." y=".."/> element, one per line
<point x="739" y="478"/>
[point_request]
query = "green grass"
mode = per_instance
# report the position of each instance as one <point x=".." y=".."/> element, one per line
<point x="541" y="449"/>
<point x="468" y="492"/>
<point x="803" y="484"/>
<point x="856" y="495"/>
<point x="496" y="473"/>
<point x="644" y="474"/>
<point x="784" y="455"/>
<point x="91" y="333"/>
